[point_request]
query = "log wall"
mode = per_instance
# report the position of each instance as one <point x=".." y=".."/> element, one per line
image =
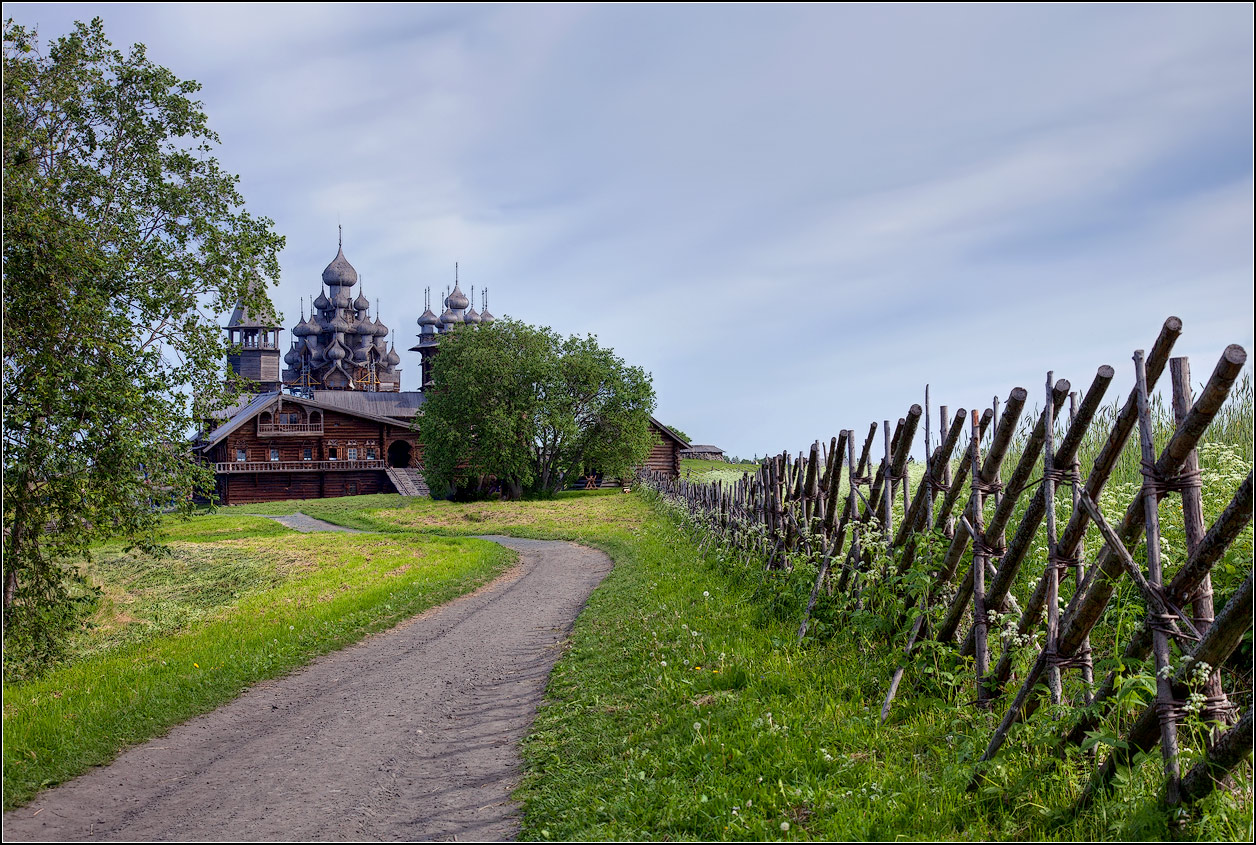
<point x="341" y="432"/>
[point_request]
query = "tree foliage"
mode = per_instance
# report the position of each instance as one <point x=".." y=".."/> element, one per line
<point x="521" y="405"/>
<point x="676" y="431"/>
<point x="123" y="238"/>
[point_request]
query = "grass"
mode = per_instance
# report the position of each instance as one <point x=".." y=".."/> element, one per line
<point x="177" y="636"/>
<point x="686" y="709"/>
<point x="708" y="471"/>
<point x="571" y="515"/>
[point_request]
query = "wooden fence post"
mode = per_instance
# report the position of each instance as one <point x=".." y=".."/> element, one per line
<point x="1165" y="701"/>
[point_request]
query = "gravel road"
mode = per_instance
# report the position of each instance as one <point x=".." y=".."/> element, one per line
<point x="412" y="734"/>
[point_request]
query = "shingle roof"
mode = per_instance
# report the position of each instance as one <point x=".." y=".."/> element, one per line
<point x="385" y="404"/>
<point x="391" y="408"/>
<point x="239" y="416"/>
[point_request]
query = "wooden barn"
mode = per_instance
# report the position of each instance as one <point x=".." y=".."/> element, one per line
<point x="704" y="452"/>
<point x="665" y="456"/>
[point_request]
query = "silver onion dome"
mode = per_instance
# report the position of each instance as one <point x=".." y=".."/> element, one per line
<point x="457" y="300"/>
<point x="340" y="271"/>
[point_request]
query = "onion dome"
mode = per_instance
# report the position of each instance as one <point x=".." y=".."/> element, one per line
<point x="305" y="328"/>
<point x="392" y="358"/>
<point x="341" y="298"/>
<point x="322" y="303"/>
<point x="336" y="351"/>
<point x="293" y="358"/>
<point x="486" y="318"/>
<point x="471" y="316"/>
<point x="338" y="323"/>
<point x="457" y="300"/>
<point x="381" y="344"/>
<point x="361" y="303"/>
<point x="427" y="318"/>
<point x="380" y="329"/>
<point x="449" y="318"/>
<point x="340" y="271"/>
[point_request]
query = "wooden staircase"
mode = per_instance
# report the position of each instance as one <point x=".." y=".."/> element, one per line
<point x="408" y="481"/>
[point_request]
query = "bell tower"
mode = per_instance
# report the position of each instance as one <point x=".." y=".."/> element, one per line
<point x="257" y="355"/>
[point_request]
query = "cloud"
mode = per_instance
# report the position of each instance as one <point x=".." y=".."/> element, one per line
<point x="794" y="217"/>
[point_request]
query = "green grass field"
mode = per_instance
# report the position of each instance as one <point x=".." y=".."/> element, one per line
<point x="684" y="709"/>
<point x="236" y="601"/>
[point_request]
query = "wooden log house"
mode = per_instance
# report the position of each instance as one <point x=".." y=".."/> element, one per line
<point x="291" y="447"/>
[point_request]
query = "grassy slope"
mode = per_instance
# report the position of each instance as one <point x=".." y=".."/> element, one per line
<point x="178" y="636"/>
<point x="686" y="710"/>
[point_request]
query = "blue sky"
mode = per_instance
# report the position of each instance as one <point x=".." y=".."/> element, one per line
<point x="794" y="217"/>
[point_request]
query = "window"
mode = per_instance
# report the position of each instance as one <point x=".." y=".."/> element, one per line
<point x="331" y="453"/>
<point x="370" y="453"/>
<point x="351" y="454"/>
<point x="307" y="454"/>
<point x="240" y="455"/>
<point x="274" y="454"/>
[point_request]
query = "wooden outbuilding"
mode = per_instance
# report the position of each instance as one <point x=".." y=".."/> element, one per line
<point x="703" y="452"/>
<point x="665" y="456"/>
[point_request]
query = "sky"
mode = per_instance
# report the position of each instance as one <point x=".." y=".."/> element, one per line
<point x="793" y="217"/>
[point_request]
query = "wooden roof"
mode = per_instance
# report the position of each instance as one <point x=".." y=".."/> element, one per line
<point x="264" y="401"/>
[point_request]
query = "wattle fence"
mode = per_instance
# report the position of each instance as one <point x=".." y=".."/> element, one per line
<point x="957" y="568"/>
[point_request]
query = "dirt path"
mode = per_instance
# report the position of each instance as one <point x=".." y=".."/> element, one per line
<point x="410" y="735"/>
<point x="305" y="523"/>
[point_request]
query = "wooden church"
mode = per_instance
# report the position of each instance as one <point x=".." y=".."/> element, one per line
<point x="336" y="422"/>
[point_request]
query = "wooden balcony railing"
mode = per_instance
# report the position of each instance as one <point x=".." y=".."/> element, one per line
<point x="296" y="466"/>
<point x="279" y="429"/>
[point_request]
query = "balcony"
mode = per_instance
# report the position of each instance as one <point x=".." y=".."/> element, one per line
<point x="297" y="466"/>
<point x="281" y="429"/>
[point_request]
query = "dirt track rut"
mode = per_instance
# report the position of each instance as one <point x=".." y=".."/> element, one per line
<point x="412" y="734"/>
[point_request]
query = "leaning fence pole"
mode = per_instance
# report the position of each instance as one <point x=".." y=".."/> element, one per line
<point x="832" y="545"/>
<point x="1084" y="609"/>
<point x="857" y="478"/>
<point x="1218" y="643"/>
<point x="1236" y="516"/>
<point x="1216" y="709"/>
<point x="1230" y="749"/>
<point x="1079" y="571"/>
<point x="997" y="589"/>
<point x="927" y="492"/>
